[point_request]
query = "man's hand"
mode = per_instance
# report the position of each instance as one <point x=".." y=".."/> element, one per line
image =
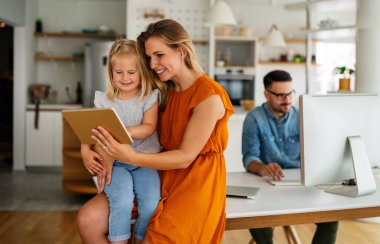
<point x="272" y="170"/>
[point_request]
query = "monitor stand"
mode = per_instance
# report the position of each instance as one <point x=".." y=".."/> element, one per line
<point x="365" y="181"/>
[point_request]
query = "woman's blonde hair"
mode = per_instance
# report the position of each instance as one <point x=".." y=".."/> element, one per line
<point x="147" y="83"/>
<point x="174" y="35"/>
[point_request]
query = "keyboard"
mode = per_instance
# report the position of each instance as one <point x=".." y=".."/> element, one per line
<point x="285" y="182"/>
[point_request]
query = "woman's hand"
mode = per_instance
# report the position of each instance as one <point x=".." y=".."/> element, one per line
<point x="120" y="152"/>
<point x="105" y="176"/>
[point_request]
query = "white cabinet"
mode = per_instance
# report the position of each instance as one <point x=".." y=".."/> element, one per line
<point x="236" y="52"/>
<point x="232" y="154"/>
<point x="44" y="145"/>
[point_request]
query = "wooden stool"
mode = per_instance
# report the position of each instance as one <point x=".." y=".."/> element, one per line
<point x="290" y="234"/>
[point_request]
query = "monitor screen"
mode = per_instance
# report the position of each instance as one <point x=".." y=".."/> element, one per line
<point x="326" y="122"/>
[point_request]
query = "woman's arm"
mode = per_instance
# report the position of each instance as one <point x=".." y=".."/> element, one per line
<point x="198" y="131"/>
<point x="148" y="125"/>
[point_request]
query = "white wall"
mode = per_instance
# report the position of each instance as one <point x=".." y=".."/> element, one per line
<point x="13" y="12"/>
<point x="191" y="14"/>
<point x="59" y="15"/>
<point x="23" y="74"/>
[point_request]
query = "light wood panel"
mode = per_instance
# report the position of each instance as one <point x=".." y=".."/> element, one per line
<point x="55" y="227"/>
<point x="74" y="175"/>
<point x="301" y="218"/>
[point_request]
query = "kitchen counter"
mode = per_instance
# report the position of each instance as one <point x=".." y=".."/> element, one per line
<point x="54" y="107"/>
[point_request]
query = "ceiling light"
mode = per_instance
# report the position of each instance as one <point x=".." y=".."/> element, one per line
<point x="274" y="38"/>
<point x="221" y="14"/>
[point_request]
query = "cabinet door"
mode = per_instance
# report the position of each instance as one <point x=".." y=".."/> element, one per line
<point x="58" y="138"/>
<point x="232" y="154"/>
<point x="40" y="142"/>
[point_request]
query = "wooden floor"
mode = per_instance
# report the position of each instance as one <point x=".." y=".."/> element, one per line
<point x="55" y="227"/>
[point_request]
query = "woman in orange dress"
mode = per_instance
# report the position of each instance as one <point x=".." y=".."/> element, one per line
<point x="193" y="134"/>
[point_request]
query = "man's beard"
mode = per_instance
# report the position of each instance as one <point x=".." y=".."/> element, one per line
<point x="281" y="110"/>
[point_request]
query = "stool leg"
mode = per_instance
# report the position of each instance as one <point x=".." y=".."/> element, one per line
<point x="291" y="234"/>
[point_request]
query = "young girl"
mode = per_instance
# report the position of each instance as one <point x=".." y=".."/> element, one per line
<point x="136" y="103"/>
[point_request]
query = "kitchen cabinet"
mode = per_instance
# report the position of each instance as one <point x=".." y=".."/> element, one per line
<point x="233" y="154"/>
<point x="44" y="145"/>
<point x="75" y="177"/>
<point x="235" y="52"/>
<point x="235" y="64"/>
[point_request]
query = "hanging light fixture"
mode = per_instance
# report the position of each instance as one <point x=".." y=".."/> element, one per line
<point x="221" y="14"/>
<point x="274" y="38"/>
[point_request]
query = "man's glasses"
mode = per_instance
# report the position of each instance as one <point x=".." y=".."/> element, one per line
<point x="282" y="95"/>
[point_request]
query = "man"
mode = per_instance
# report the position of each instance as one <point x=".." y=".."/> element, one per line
<point x="271" y="143"/>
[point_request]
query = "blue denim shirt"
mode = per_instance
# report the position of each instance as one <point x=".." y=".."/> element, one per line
<point x="268" y="139"/>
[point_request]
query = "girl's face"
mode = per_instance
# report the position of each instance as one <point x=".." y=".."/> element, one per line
<point x="165" y="61"/>
<point x="125" y="75"/>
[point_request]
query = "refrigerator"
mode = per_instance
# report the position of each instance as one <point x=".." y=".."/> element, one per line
<point x="95" y="74"/>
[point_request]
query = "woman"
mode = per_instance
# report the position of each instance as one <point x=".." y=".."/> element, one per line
<point x="193" y="132"/>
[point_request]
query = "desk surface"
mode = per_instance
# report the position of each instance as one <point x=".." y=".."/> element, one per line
<point x="286" y="205"/>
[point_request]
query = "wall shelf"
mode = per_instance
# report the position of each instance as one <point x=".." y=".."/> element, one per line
<point x="323" y="5"/>
<point x="77" y="35"/>
<point x="201" y="42"/>
<point x="329" y="33"/>
<point x="60" y="59"/>
<point x="283" y="63"/>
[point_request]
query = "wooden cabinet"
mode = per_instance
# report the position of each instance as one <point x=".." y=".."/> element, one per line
<point x="75" y="177"/>
<point x="44" y="144"/>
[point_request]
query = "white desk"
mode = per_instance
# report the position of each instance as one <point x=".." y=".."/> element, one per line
<point x="290" y="205"/>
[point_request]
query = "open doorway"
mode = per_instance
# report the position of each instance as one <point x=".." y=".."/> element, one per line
<point x="6" y="96"/>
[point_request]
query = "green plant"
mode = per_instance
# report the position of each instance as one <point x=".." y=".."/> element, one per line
<point x="344" y="72"/>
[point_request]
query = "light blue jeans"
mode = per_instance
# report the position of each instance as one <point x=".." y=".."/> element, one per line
<point x="129" y="181"/>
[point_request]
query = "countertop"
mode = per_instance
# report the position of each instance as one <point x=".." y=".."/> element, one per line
<point x="54" y="107"/>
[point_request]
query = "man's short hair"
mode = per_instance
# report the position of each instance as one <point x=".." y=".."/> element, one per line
<point x="276" y="76"/>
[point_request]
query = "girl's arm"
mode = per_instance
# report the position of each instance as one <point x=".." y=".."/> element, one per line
<point x="91" y="159"/>
<point x="148" y="125"/>
<point x="198" y="131"/>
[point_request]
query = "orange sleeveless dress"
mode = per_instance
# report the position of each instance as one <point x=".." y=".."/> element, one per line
<point x="192" y="206"/>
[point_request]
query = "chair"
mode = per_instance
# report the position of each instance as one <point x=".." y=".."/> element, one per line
<point x="290" y="234"/>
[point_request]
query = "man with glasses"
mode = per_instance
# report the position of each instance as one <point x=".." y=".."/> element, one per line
<point x="271" y="142"/>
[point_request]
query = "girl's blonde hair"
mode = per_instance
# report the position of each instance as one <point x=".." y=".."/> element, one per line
<point x="147" y="83"/>
<point x="174" y="35"/>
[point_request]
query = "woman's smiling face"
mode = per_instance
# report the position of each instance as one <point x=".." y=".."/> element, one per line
<point x="163" y="60"/>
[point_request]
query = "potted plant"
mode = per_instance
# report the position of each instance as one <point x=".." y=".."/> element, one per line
<point x="345" y="74"/>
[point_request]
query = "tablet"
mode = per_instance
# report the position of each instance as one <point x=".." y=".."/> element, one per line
<point x="82" y="121"/>
<point x="242" y="191"/>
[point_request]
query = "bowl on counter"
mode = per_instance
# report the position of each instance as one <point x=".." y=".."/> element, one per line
<point x="247" y="104"/>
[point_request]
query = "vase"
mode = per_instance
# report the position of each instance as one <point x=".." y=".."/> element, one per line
<point x="344" y="84"/>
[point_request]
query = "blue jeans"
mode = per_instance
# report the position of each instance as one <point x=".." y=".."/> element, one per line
<point x="126" y="182"/>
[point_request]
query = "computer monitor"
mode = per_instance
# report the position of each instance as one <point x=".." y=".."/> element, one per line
<point x="340" y="140"/>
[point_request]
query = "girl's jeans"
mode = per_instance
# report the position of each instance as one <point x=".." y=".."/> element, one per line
<point x="128" y="182"/>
